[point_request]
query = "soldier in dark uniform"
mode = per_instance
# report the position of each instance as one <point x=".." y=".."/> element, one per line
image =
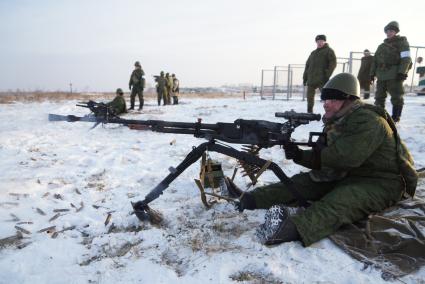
<point x="390" y="66"/>
<point x="161" y="88"/>
<point x="118" y="105"/>
<point x="363" y="167"/>
<point x="136" y="85"/>
<point x="318" y="69"/>
<point x="364" y="73"/>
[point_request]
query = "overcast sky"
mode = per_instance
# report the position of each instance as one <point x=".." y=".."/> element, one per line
<point x="47" y="44"/>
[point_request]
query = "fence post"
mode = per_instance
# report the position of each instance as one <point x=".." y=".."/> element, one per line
<point x="414" y="68"/>
<point x="262" y="83"/>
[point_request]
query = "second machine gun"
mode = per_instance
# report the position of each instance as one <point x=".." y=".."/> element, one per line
<point x="259" y="133"/>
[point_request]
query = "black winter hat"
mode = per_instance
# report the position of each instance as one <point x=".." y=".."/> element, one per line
<point x="322" y="37"/>
<point x="333" y="94"/>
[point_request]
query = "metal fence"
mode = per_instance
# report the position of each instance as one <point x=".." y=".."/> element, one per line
<point x="283" y="82"/>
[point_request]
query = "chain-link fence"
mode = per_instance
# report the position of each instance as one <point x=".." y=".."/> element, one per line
<point x="284" y="82"/>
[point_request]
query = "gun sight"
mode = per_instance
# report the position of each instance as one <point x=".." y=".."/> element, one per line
<point x="293" y="115"/>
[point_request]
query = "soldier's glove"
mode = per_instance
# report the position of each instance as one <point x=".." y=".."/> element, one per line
<point x="129" y="86"/>
<point x="246" y="202"/>
<point x="292" y="152"/>
<point x="401" y="76"/>
<point x="372" y="79"/>
<point x="304" y="82"/>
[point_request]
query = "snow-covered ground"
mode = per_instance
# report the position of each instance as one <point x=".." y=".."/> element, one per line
<point x="46" y="167"/>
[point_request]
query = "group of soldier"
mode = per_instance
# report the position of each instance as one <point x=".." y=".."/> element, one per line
<point x="390" y="66"/>
<point x="167" y="87"/>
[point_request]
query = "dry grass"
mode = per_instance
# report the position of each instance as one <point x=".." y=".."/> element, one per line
<point x="29" y="97"/>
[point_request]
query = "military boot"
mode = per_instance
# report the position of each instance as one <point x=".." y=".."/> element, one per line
<point x="278" y="226"/>
<point x="396" y="113"/>
<point x="310" y="109"/>
<point x="131" y="104"/>
<point x="142" y="101"/>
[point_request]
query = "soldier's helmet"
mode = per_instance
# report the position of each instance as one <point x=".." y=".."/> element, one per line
<point x="119" y="91"/>
<point x="173" y="75"/>
<point x="162" y="73"/>
<point x="341" y="87"/>
<point x="393" y="25"/>
<point x="137" y="64"/>
<point x="167" y="75"/>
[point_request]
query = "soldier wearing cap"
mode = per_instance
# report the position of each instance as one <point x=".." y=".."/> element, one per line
<point x="318" y="69"/>
<point x="391" y="64"/>
<point x="364" y="73"/>
<point x="161" y="88"/>
<point x="176" y="89"/>
<point x="136" y="85"/>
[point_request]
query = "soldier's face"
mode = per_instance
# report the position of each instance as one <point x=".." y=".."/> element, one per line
<point x="366" y="53"/>
<point x="332" y="107"/>
<point x="390" y="33"/>
<point x="320" y="43"/>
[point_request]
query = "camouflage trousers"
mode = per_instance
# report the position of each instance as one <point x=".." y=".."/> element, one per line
<point x="139" y="92"/>
<point x="365" y="86"/>
<point x="162" y="95"/>
<point x="311" y="91"/>
<point x="394" y="87"/>
<point x="334" y="203"/>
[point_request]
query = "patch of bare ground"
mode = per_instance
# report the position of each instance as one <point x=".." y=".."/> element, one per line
<point x="29" y="97"/>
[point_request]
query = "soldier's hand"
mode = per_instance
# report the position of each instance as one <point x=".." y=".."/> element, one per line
<point x="372" y="79"/>
<point x="401" y="76"/>
<point x="292" y="152"/>
<point x="129" y="87"/>
<point x="246" y="202"/>
<point x="304" y="82"/>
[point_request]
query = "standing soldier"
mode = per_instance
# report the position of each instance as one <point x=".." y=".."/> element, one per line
<point x="176" y="89"/>
<point x="118" y="105"/>
<point x="391" y="63"/>
<point x="161" y="88"/>
<point x="319" y="67"/>
<point x="364" y="73"/>
<point x="169" y="88"/>
<point x="136" y="85"/>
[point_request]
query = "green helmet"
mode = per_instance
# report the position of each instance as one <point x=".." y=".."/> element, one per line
<point x="162" y="73"/>
<point x="341" y="87"/>
<point x="119" y="91"/>
<point x="392" y="26"/>
<point x="137" y="64"/>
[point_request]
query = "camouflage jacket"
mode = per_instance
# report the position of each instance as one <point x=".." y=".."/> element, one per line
<point x="118" y="105"/>
<point x="364" y="71"/>
<point x="161" y="83"/>
<point x="136" y="79"/>
<point x="391" y="57"/>
<point x="361" y="143"/>
<point x="319" y="66"/>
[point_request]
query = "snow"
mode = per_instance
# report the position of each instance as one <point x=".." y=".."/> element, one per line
<point x="48" y="166"/>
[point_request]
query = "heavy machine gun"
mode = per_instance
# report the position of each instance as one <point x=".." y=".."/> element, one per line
<point x="258" y="133"/>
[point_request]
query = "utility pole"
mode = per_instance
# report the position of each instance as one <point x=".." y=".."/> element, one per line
<point x="70" y="87"/>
